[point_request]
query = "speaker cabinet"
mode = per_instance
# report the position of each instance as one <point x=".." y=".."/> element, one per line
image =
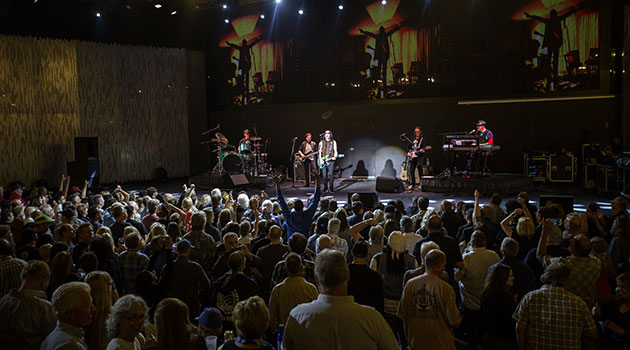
<point x="369" y="199"/>
<point x="389" y="185"/>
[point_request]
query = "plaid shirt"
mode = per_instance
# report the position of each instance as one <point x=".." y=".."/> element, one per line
<point x="339" y="244"/>
<point x="555" y="318"/>
<point x="584" y="275"/>
<point x="133" y="262"/>
<point x="10" y="270"/>
<point x="280" y="272"/>
<point x="205" y="249"/>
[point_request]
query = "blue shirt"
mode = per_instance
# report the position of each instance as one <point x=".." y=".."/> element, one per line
<point x="298" y="221"/>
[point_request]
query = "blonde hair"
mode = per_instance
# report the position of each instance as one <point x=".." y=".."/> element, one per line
<point x="128" y="230"/>
<point x="101" y="285"/>
<point x="187" y="203"/>
<point x="525" y="227"/>
<point x="106" y="233"/>
<point x="174" y="330"/>
<point x="251" y="318"/>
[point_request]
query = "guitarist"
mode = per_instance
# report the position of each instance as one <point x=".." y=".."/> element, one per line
<point x="415" y="153"/>
<point x="307" y="151"/>
<point x="327" y="155"/>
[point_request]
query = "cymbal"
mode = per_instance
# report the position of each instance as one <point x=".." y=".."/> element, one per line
<point x="255" y="138"/>
<point x="221" y="138"/>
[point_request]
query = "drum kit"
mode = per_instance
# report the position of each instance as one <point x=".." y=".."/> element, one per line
<point x="250" y="158"/>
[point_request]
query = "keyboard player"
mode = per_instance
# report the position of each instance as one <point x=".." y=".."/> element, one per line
<point x="485" y="137"/>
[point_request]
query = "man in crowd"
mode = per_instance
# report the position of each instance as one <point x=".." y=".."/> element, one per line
<point x="447" y="244"/>
<point x="298" y="219"/>
<point x="27" y="317"/>
<point x="524" y="280"/>
<point x="132" y="262"/>
<point x="334" y="321"/>
<point x="205" y="251"/>
<point x="297" y="245"/>
<point x="10" y="268"/>
<point x="365" y="284"/>
<point x="73" y="304"/>
<point x="428" y="307"/>
<point x="270" y="255"/>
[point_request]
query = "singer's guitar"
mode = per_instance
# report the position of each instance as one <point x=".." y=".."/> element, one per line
<point x="418" y="151"/>
<point x="326" y="160"/>
<point x="300" y="159"/>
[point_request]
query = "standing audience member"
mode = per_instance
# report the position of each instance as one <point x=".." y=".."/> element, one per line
<point x="27" y="317"/>
<point x="294" y="290"/>
<point x="448" y="245"/>
<point x="101" y="290"/>
<point x="73" y="304"/>
<point x="428" y="308"/>
<point x="498" y="305"/>
<point x="270" y="255"/>
<point x="298" y="220"/>
<point x="173" y="327"/>
<point x="297" y="245"/>
<point x="406" y="226"/>
<point x="612" y="315"/>
<point x="205" y="252"/>
<point x="334" y="321"/>
<point x="132" y="262"/>
<point x="365" y="284"/>
<point x="10" y="269"/>
<point x="524" y="280"/>
<point x="552" y="317"/>
<point x="251" y="319"/>
<point x="125" y="322"/>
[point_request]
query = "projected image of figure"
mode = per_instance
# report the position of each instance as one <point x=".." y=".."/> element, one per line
<point x="381" y="50"/>
<point x="552" y="38"/>
<point x="245" y="61"/>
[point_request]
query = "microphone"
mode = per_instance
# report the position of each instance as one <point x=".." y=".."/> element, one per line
<point x="295" y="138"/>
<point x="403" y="134"/>
<point x="322" y="134"/>
<point x="472" y="131"/>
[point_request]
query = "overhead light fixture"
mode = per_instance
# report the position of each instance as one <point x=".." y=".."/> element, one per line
<point x="158" y="6"/>
<point x="262" y="16"/>
<point x="226" y="20"/>
<point x="173" y="13"/>
<point x="340" y="7"/>
<point x="384" y="2"/>
<point x="278" y="1"/>
<point x="98" y="14"/>
<point x="224" y="6"/>
<point x="301" y="12"/>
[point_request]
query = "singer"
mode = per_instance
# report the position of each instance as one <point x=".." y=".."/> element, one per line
<point x="485" y="135"/>
<point x="327" y="156"/>
<point x="307" y="152"/>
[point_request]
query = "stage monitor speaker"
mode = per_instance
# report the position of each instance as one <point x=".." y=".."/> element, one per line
<point x="389" y="185"/>
<point x="565" y="201"/>
<point x="369" y="199"/>
<point x="84" y="170"/>
<point x="85" y="148"/>
<point x="238" y="179"/>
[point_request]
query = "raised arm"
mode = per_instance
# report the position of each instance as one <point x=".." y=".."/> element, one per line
<point x="541" y="251"/>
<point x="84" y="189"/>
<point x="477" y="210"/>
<point x="190" y="190"/>
<point x="63" y="178"/>
<point x="125" y="194"/>
<point x="524" y="207"/>
<point x="254" y="204"/>
<point x="356" y="228"/>
<point x="367" y="33"/>
<point x="535" y="17"/>
<point x="281" y="201"/>
<point x="65" y="190"/>
<point x="394" y="30"/>
<point x="313" y="207"/>
<point x="181" y="213"/>
<point x="505" y="224"/>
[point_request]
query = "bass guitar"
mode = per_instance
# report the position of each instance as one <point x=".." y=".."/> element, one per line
<point x="326" y="160"/>
<point x="300" y="159"/>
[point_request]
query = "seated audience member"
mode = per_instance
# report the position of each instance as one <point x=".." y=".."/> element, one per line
<point x="612" y="314"/>
<point x="27" y="317"/>
<point x="334" y="321"/>
<point x="498" y="305"/>
<point x="210" y="324"/>
<point x="102" y="298"/>
<point x="173" y="327"/>
<point x="132" y="262"/>
<point x="294" y="290"/>
<point x="74" y="308"/>
<point x="619" y="247"/>
<point x="10" y="269"/>
<point x="430" y="324"/>
<point x="251" y="319"/>
<point x="365" y="284"/>
<point x="125" y="322"/>
<point x="297" y="245"/>
<point x="551" y="317"/>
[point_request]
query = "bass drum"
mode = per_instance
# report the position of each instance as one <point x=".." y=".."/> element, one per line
<point x="232" y="162"/>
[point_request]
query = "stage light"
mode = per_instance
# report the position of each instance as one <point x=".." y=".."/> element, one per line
<point x="301" y="12"/>
<point x="262" y="16"/>
<point x="278" y="1"/>
<point x="226" y="20"/>
<point x="384" y="2"/>
<point x="158" y="6"/>
<point x="224" y="6"/>
<point x="98" y="14"/>
<point x="340" y="7"/>
<point x="174" y="12"/>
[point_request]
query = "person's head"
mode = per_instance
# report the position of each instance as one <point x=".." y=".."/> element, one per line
<point x="435" y="261"/>
<point x="119" y="213"/>
<point x="406" y="224"/>
<point x="333" y="226"/>
<point x="308" y="137"/>
<point x="478" y="239"/>
<point x="328" y="135"/>
<point x="236" y="262"/>
<point x="446" y="206"/>
<point x="297" y="243"/>
<point x="377" y="234"/>
<point x="127" y="318"/>
<point x="85" y="233"/>
<point x="397" y="242"/>
<point x="580" y="246"/>
<point x="275" y="234"/>
<point x="293" y="263"/>
<point x="210" y="322"/>
<point x="434" y="224"/>
<point x="198" y="220"/>
<point x="509" y="247"/>
<point x="298" y="205"/>
<point x="525" y="227"/>
<point x="172" y="324"/>
<point x="417" y="132"/>
<point x="230" y="241"/>
<point x="251" y="318"/>
<point x="360" y="251"/>
<point x="246" y="131"/>
<point x="35" y="276"/>
<point x="184" y="247"/>
<point x="331" y="272"/>
<point x="323" y="242"/>
<point x="322" y="224"/>
<point x="481" y="125"/>
<point x="427" y="247"/>
<point x="73" y="304"/>
<point x="621" y="226"/>
<point x="619" y="204"/>
<point x="499" y="278"/>
<point x="622" y="292"/>
<point x="557" y="273"/>
<point x="132" y="241"/>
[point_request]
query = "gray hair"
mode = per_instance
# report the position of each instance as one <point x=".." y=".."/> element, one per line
<point x="377" y="234"/>
<point x="120" y="308"/>
<point x="478" y="239"/>
<point x="323" y="242"/>
<point x="66" y="297"/>
<point x="509" y="247"/>
<point x="228" y="235"/>
<point x="406" y="224"/>
<point x="152" y="205"/>
<point x="333" y="226"/>
<point x="557" y="273"/>
<point x="198" y="220"/>
<point x="331" y="269"/>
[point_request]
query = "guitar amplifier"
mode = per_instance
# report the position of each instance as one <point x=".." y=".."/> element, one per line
<point x="562" y="167"/>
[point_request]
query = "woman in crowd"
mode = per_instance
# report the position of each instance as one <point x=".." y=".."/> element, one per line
<point x="61" y="271"/>
<point x="108" y="261"/>
<point x="251" y="319"/>
<point x="101" y="291"/>
<point x="174" y="330"/>
<point x="498" y="305"/>
<point x="614" y="316"/>
<point x="525" y="233"/>
<point x="125" y="322"/>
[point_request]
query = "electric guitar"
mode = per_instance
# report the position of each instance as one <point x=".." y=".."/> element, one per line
<point x="300" y="159"/>
<point x="417" y="152"/>
<point x="326" y="160"/>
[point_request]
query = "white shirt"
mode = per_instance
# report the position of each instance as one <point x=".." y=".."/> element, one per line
<point x="337" y="323"/>
<point x="121" y="344"/>
<point x="472" y="278"/>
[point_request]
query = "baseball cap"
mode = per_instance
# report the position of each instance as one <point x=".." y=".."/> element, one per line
<point x="42" y="219"/>
<point x="184" y="245"/>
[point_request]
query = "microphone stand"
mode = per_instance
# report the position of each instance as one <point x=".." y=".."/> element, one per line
<point x="292" y="159"/>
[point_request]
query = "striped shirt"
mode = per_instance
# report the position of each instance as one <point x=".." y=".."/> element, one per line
<point x="10" y="270"/>
<point x="555" y="318"/>
<point x="27" y="318"/>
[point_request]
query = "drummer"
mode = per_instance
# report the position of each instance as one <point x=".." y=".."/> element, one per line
<point x="245" y="145"/>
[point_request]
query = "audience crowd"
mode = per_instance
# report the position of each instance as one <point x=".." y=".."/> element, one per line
<point x="151" y="270"/>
